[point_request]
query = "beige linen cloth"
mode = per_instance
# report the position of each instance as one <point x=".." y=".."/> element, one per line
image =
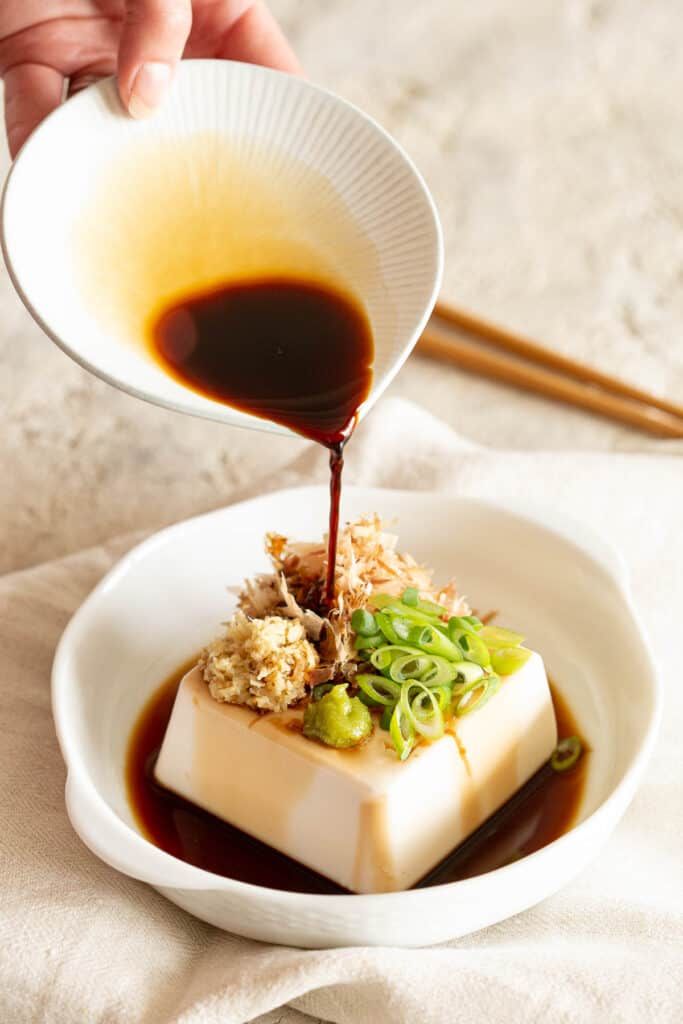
<point x="81" y="944"/>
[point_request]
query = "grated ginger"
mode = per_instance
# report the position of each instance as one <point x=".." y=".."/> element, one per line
<point x="261" y="663"/>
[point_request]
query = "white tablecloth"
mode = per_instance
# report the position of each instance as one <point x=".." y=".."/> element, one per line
<point x="80" y="944"/>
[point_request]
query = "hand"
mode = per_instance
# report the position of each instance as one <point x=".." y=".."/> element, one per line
<point x="49" y="49"/>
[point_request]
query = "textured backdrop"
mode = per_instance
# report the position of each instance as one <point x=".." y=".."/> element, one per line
<point x="551" y="134"/>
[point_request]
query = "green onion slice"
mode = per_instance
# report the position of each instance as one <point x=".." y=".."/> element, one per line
<point x="412" y="617"/>
<point x="440" y="672"/>
<point x="566" y="754"/>
<point x="468" y="672"/>
<point x="444" y="695"/>
<point x="378" y="690"/>
<point x="402" y="662"/>
<point x="475" y="697"/>
<point x="383" y="657"/>
<point x="442" y="627"/>
<point x="432" y="641"/>
<point x="421" y="708"/>
<point x="461" y="688"/>
<point x="402" y="732"/>
<point x="409" y="666"/>
<point x="459" y="624"/>
<point x="495" y="637"/>
<point x="474" y="649"/>
<point x="384" y="623"/>
<point x="385" y="717"/>
<point x="368" y="643"/>
<point x="363" y="622"/>
<point x="404" y="611"/>
<point x="506" y="660"/>
<point x="320" y="690"/>
<point x="401" y="627"/>
<point x="424" y="608"/>
<point x="432" y="608"/>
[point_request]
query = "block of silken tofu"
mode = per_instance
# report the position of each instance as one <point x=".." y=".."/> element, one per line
<point x="361" y="817"/>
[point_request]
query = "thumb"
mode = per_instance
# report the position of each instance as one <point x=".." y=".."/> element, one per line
<point x="152" y="42"/>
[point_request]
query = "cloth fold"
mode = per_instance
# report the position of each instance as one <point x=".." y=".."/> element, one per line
<point x="80" y="943"/>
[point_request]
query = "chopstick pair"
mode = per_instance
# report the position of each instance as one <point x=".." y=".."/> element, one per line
<point x="516" y="360"/>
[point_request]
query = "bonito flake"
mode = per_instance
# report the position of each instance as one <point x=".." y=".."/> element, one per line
<point x="367" y="563"/>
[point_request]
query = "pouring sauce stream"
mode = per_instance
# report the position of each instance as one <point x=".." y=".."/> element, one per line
<point x="297" y="353"/>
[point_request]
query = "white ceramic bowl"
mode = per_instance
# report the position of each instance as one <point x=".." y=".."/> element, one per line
<point x="562" y="586"/>
<point x="243" y="173"/>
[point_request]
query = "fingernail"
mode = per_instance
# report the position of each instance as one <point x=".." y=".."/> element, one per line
<point x="149" y="86"/>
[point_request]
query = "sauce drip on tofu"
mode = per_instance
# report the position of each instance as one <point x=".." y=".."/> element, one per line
<point x="541" y="811"/>
<point x="294" y="352"/>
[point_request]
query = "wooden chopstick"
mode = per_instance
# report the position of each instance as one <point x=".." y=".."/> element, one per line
<point x="521" y="346"/>
<point x="536" y="378"/>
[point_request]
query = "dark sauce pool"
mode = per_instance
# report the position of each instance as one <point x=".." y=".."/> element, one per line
<point x="544" y="809"/>
<point x="294" y="352"/>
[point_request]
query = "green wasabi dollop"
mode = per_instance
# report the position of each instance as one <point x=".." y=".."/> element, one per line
<point x="337" y="719"/>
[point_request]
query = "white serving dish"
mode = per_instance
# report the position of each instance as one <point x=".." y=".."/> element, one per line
<point x="555" y="580"/>
<point x="105" y="219"/>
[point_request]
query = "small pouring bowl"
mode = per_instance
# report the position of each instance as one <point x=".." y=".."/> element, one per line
<point x="244" y="174"/>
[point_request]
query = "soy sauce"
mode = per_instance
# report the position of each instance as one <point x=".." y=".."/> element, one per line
<point x="294" y="352"/>
<point x="538" y="813"/>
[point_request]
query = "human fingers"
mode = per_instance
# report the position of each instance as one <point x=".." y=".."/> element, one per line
<point x="66" y="44"/>
<point x="152" y="42"/>
<point x="256" y="38"/>
<point x="32" y="91"/>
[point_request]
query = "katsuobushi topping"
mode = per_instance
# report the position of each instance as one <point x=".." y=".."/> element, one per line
<point x="261" y="663"/>
<point x="368" y="562"/>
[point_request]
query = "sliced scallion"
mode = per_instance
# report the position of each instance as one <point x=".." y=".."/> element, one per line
<point x="376" y="690"/>
<point x="421" y="708"/>
<point x="384" y="623"/>
<point x="402" y="732"/>
<point x="401" y="627"/>
<point x="320" y="690"/>
<point x="459" y="624"/>
<point x="433" y="641"/>
<point x="431" y="608"/>
<point x="401" y="662"/>
<point x="474" y="649"/>
<point x="468" y="672"/>
<point x="363" y="622"/>
<point x="470" y="699"/>
<point x="409" y="666"/>
<point x="495" y="637"/>
<point x="423" y="609"/>
<point x="476" y="697"/>
<point x="410" y="596"/>
<point x="404" y="611"/>
<point x="368" y="643"/>
<point x="444" y="695"/>
<point x="385" y="717"/>
<point x="566" y="754"/>
<point x="383" y="657"/>
<point x="440" y="672"/>
<point x="506" y="660"/>
<point x="465" y="687"/>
